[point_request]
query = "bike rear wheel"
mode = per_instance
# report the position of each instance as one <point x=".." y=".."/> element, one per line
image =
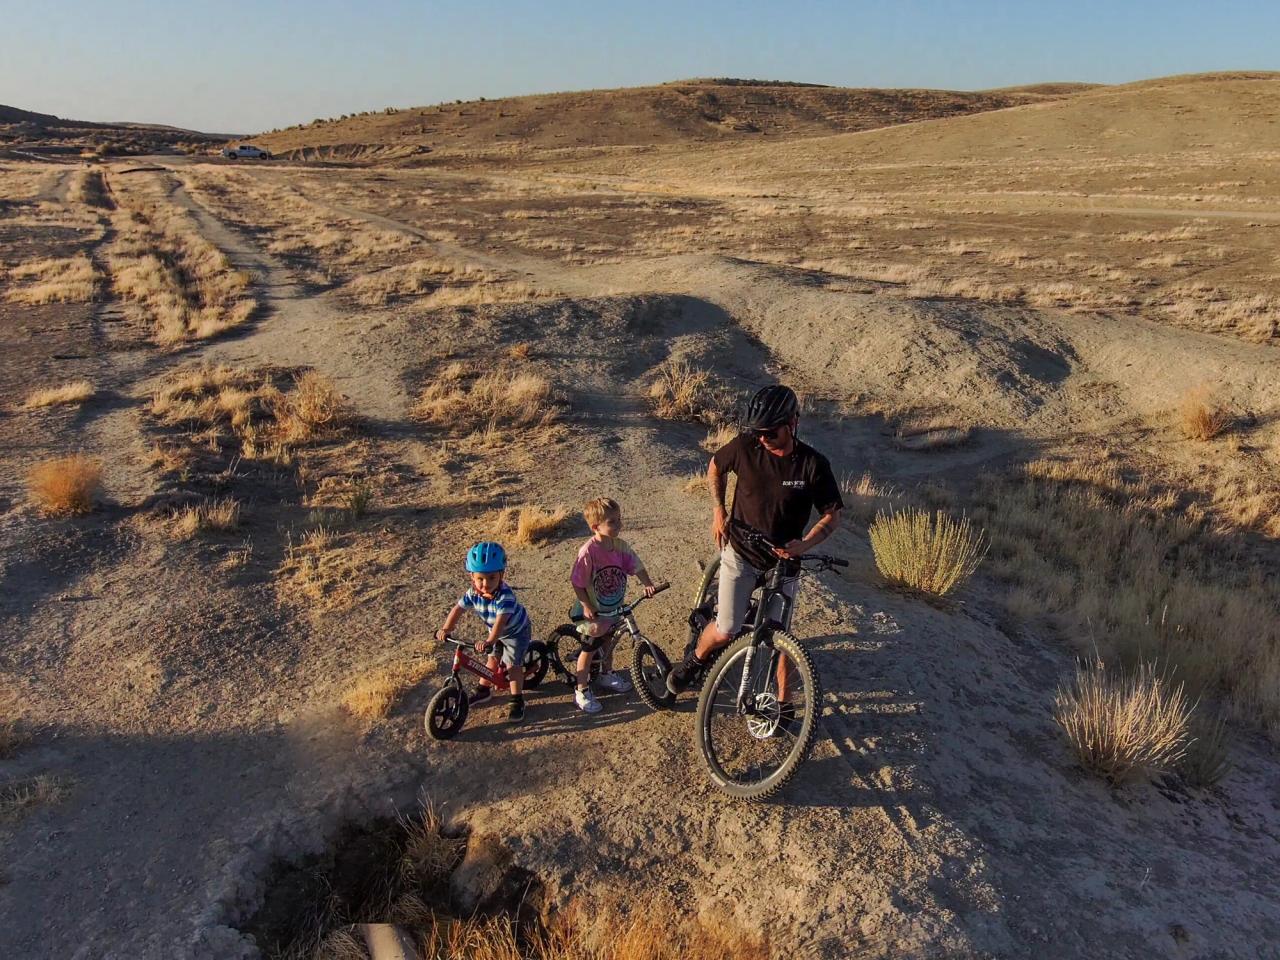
<point x="535" y="664"/>
<point x="447" y="712"/>
<point x="751" y="750"/>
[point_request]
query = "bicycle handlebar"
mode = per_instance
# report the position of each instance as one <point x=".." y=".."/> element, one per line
<point x="617" y="612"/>
<point x="628" y="607"/>
<point x="759" y="539"/>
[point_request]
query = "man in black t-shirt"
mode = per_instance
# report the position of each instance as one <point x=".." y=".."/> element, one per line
<point x="781" y="481"/>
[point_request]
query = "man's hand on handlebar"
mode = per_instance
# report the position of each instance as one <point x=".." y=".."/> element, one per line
<point x="793" y="550"/>
<point x="442" y="634"/>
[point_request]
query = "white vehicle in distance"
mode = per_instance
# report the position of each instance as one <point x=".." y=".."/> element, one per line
<point x="245" y="151"/>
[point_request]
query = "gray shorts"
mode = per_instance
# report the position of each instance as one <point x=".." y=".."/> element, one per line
<point x="737" y="580"/>
<point x="514" y="648"/>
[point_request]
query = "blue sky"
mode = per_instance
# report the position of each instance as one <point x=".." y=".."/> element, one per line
<point x="244" y="66"/>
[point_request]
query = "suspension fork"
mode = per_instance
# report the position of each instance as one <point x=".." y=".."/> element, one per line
<point x="745" y="703"/>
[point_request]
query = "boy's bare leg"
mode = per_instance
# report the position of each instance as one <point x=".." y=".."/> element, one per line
<point x="784" y="674"/>
<point x="584" y="667"/>
<point x="492" y="664"/>
<point x="606" y="655"/>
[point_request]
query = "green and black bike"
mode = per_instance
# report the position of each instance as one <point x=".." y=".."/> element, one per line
<point x="760" y="698"/>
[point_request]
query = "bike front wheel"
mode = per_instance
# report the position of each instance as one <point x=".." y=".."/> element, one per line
<point x="446" y="712"/>
<point x="758" y="715"/>
<point x="649" y="677"/>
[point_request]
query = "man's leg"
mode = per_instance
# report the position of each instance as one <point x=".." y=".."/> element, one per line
<point x="737" y="579"/>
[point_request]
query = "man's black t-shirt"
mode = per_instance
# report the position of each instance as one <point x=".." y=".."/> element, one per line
<point x="775" y="494"/>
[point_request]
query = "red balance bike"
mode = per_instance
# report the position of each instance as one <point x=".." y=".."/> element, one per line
<point x="447" y="710"/>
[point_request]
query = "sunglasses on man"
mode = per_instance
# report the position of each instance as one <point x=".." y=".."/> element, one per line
<point x="769" y="433"/>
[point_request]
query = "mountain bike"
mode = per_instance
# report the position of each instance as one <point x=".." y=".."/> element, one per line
<point x="758" y="709"/>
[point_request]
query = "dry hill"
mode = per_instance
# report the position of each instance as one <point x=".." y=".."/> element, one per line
<point x="28" y="132"/>
<point x="694" y="110"/>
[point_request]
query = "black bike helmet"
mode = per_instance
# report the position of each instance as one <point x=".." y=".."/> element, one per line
<point x="772" y="406"/>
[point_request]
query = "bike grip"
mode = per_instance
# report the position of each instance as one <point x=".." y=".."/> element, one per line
<point x="659" y="587"/>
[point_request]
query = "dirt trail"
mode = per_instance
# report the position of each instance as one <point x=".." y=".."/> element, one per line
<point x="939" y="815"/>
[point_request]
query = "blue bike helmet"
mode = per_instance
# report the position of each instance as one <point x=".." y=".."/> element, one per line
<point x="486" y="557"/>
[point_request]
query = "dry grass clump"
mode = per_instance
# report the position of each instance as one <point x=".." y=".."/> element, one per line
<point x="76" y="392"/>
<point x="1085" y="545"/>
<point x="600" y="932"/>
<point x="1124" y="725"/>
<point x="313" y="409"/>
<point x="497" y="398"/>
<point x="330" y="570"/>
<point x="11" y="739"/>
<point x="1201" y="417"/>
<point x="183" y="285"/>
<point x="476" y="294"/>
<point x="18" y="796"/>
<point x="57" y="280"/>
<point x="412" y="279"/>
<point x="530" y="524"/>
<point x="65" y="486"/>
<point x="409" y="886"/>
<point x="266" y="420"/>
<point x="683" y="392"/>
<point x="219" y="515"/>
<point x="717" y="437"/>
<point x="929" y="553"/>
<point x="372" y="696"/>
<point x="1208" y="753"/>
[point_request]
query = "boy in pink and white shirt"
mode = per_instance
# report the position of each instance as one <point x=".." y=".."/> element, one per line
<point x="600" y="582"/>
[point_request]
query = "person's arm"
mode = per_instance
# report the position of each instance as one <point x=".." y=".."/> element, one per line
<point x="717" y="484"/>
<point x="580" y="577"/>
<point x="825" y="527"/>
<point x="584" y="598"/>
<point x="450" y="622"/>
<point x="494" y="632"/>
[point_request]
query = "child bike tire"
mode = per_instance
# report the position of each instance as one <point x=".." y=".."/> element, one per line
<point x="446" y="712"/>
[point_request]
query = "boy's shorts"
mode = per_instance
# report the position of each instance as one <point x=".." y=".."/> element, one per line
<point x="591" y="633"/>
<point x="514" y="648"/>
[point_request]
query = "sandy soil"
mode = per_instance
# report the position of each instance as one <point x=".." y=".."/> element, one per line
<point x="192" y="700"/>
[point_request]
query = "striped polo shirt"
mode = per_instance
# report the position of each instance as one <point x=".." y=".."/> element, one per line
<point x="504" y="601"/>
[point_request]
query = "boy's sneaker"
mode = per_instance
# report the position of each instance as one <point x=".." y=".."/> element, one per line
<point x="682" y="673"/>
<point x="482" y="694"/>
<point x="615" y="681"/>
<point x="515" y="710"/>
<point x="586" y="701"/>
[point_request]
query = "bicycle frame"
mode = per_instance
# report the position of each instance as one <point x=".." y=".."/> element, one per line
<point x="762" y="627"/>
<point x="463" y="660"/>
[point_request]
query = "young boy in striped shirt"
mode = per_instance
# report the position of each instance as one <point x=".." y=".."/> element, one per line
<point x="495" y="603"/>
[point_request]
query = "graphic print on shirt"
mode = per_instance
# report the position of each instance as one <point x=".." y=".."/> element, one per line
<point x="610" y="585"/>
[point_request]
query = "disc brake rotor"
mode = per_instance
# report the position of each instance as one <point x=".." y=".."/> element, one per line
<point x="764" y="722"/>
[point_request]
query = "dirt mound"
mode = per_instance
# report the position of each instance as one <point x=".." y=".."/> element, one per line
<point x="671" y="113"/>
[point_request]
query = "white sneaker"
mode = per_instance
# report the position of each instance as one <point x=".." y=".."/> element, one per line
<point x="617" y="682"/>
<point x="586" y="701"/>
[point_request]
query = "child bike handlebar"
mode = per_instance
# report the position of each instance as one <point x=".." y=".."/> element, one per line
<point x="626" y="608"/>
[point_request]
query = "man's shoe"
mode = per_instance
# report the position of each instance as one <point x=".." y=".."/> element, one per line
<point x="616" y="681"/>
<point x="586" y="701"/>
<point x="515" y="710"/>
<point x="683" y="673"/>
<point x="482" y="694"/>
